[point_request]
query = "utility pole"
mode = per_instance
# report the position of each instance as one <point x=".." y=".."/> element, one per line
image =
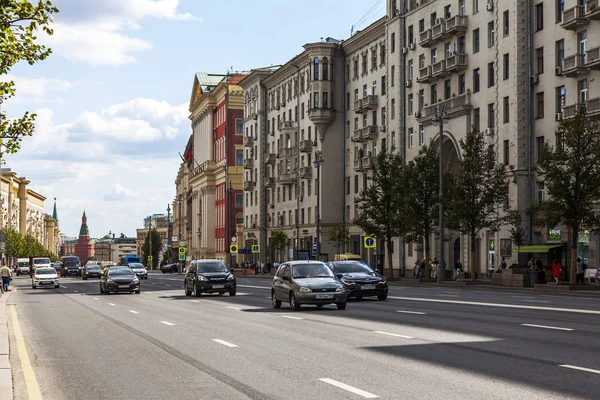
<point x="180" y="201"/>
<point x="440" y="119"/>
<point x="150" y="242"/>
<point x="169" y="233"/>
<point x="318" y="161"/>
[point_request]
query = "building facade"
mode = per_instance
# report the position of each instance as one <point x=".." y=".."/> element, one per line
<point x="156" y="221"/>
<point x="126" y="245"/>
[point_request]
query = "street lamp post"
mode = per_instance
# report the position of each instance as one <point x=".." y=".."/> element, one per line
<point x="150" y="259"/>
<point x="169" y="232"/>
<point x="228" y="223"/>
<point x="440" y="119"/>
<point x="318" y="161"/>
<point x="180" y="201"/>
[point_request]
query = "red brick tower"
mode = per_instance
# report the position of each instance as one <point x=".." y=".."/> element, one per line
<point x="84" y="248"/>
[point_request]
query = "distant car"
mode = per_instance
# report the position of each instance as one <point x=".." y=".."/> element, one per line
<point x="307" y="282"/>
<point x="209" y="276"/>
<point x="119" y="279"/>
<point x="360" y="279"/>
<point x="41" y="262"/>
<point x="57" y="267"/>
<point x="139" y="270"/>
<point x="44" y="276"/>
<point x="22" y="268"/>
<point x="169" y="268"/>
<point x="91" y="271"/>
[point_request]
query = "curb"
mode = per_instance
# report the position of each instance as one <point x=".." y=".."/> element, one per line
<point x="6" y="384"/>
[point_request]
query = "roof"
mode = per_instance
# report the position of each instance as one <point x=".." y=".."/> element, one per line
<point x="208" y="82"/>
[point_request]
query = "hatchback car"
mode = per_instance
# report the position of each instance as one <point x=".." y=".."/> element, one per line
<point x="307" y="282"/>
<point x="119" y="279"/>
<point x="139" y="270"/>
<point x="209" y="276"/>
<point x="91" y="271"/>
<point x="360" y="279"/>
<point x="44" y="276"/>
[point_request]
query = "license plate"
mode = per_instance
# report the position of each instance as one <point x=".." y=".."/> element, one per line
<point x="368" y="287"/>
<point x="45" y="283"/>
<point x="218" y="286"/>
<point x="123" y="286"/>
<point x="324" y="296"/>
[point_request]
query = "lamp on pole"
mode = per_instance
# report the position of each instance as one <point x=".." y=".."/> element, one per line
<point x="228" y="223"/>
<point x="150" y="259"/>
<point x="169" y="232"/>
<point x="318" y="161"/>
<point x="180" y="201"/>
<point x="440" y="119"/>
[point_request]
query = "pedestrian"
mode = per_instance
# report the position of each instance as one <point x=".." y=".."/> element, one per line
<point x="433" y="266"/>
<point x="555" y="270"/>
<point x="531" y="263"/>
<point x="262" y="268"/>
<point x="580" y="271"/>
<point x="458" y="268"/>
<point x="416" y="269"/>
<point x="6" y="275"/>
<point x="503" y="263"/>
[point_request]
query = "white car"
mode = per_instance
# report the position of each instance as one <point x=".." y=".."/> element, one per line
<point x="41" y="262"/>
<point x="139" y="270"/>
<point x="44" y="276"/>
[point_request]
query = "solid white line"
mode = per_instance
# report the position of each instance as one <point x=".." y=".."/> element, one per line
<point x="393" y="334"/>
<point x="167" y="323"/>
<point x="349" y="388"/>
<point x="95" y="298"/>
<point x="224" y="343"/>
<point x="522" y="297"/>
<point x="234" y="308"/>
<point x="475" y="303"/>
<point x="548" y="327"/>
<point x="290" y="317"/>
<point x="195" y="301"/>
<point x="593" y="371"/>
<point x="255" y="287"/>
<point x="133" y="312"/>
<point x="411" y="312"/>
<point x="111" y="304"/>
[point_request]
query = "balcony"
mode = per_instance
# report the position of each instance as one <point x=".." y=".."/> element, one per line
<point x="270" y="158"/>
<point x="456" y="63"/>
<point x="306" y="146"/>
<point x="323" y="116"/>
<point x="592" y="11"/>
<point x="455" y="107"/>
<point x="574" y="17"/>
<point x="369" y="162"/>
<point x="248" y="141"/>
<point x="438" y="30"/>
<point x="287" y="179"/>
<point x="248" y="163"/>
<point x="592" y="107"/>
<point x="369" y="132"/>
<point x="358" y="106"/>
<point x="287" y="151"/>
<point x="574" y="65"/>
<point x="306" y="172"/>
<point x="592" y="58"/>
<point x="357" y="136"/>
<point x="456" y="24"/>
<point x="438" y="69"/>
<point x="288" y="126"/>
<point x="269" y="181"/>
<point x="425" y="38"/>
<point x="248" y="185"/>
<point x="358" y="165"/>
<point x="424" y="75"/>
<point x="369" y="102"/>
<point x="571" y="110"/>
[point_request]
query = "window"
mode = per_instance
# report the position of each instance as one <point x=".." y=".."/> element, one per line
<point x="539" y="145"/>
<point x="462" y="84"/>
<point x="540" y="105"/>
<point x="476" y="74"/>
<point x="316" y="100"/>
<point x="447" y="88"/>
<point x="239" y="157"/>
<point x="316" y="69"/>
<point x="239" y="200"/>
<point x="409" y="246"/>
<point x="421" y="99"/>
<point x="393" y="106"/>
<point x="393" y="42"/>
<point x="410" y="70"/>
<point x="491" y="77"/>
<point x="421" y="135"/>
<point x="364" y="63"/>
<point x="505" y="110"/>
<point x="506" y="150"/>
<point x="560" y="99"/>
<point x="393" y="77"/>
<point x="539" y="60"/>
<point x="355" y="183"/>
<point x="434" y="54"/>
<point x="347" y="185"/>
<point x="421" y="61"/>
<point x="355" y="69"/>
<point x="410" y="137"/>
<point x="411" y="35"/>
<point x="505" y="23"/>
<point x="491" y="115"/>
<point x="410" y="104"/>
<point x="448" y="11"/>
<point x="239" y="125"/>
<point x="539" y="16"/>
<point x="560" y="7"/>
<point x="462" y="9"/>
<point x="476" y="40"/>
<point x="325" y="100"/>
<point x="434" y="97"/>
<point x="582" y="89"/>
<point x="382" y="54"/>
<point x="475" y="6"/>
<point x="505" y="66"/>
<point x="491" y="34"/>
<point x="383" y="86"/>
<point x="560" y="52"/>
<point x="373" y="58"/>
<point x="476" y="119"/>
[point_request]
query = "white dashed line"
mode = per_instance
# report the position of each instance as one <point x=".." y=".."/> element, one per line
<point x="349" y="388"/>
<point x="64" y="287"/>
<point x="255" y="287"/>
<point x="194" y="301"/>
<point x="448" y="295"/>
<point x="522" y="297"/>
<point x="411" y="312"/>
<point x="95" y="298"/>
<point x="290" y="317"/>
<point x="537" y="301"/>
<point x="133" y="312"/>
<point x="393" y="334"/>
<point x="167" y="323"/>
<point x="224" y="343"/>
<point x="112" y="304"/>
<point x="548" y="327"/>
<point x="75" y="291"/>
<point x="234" y="308"/>
<point x="593" y="371"/>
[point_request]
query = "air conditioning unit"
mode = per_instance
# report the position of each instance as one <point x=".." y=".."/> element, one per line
<point x="404" y="50"/>
<point x="535" y="79"/>
<point x="558" y="71"/>
<point x="408" y="83"/>
<point x="382" y="128"/>
<point x="489" y="132"/>
<point x="490" y="5"/>
<point x="558" y="116"/>
<point x="411" y="46"/>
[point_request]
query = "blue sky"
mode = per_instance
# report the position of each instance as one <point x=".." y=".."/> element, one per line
<point x="112" y="100"/>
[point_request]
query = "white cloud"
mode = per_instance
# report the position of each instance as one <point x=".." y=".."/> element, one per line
<point x="29" y="90"/>
<point x="120" y="193"/>
<point x="92" y="31"/>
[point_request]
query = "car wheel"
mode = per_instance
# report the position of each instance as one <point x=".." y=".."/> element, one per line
<point x="276" y="303"/>
<point x="197" y="292"/>
<point x="56" y="286"/>
<point x="293" y="302"/>
<point x="382" y="297"/>
<point x="341" y="306"/>
<point x="232" y="292"/>
<point x="18" y="273"/>
<point x="320" y="305"/>
<point x="137" y="291"/>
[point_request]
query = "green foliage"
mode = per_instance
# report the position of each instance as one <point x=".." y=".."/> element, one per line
<point x="19" y="23"/>
<point x="338" y="235"/>
<point x="518" y="234"/>
<point x="279" y="240"/>
<point x="156" y="247"/>
<point x="17" y="246"/>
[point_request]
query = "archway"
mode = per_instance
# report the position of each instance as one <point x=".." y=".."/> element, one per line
<point x="450" y="151"/>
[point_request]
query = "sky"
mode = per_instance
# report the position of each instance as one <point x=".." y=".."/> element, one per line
<point x="112" y="101"/>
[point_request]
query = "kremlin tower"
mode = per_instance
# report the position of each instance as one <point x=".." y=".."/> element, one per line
<point x="84" y="248"/>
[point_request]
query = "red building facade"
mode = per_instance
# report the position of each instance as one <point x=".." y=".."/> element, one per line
<point x="84" y="248"/>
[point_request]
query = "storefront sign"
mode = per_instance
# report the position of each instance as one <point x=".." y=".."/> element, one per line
<point x="555" y="235"/>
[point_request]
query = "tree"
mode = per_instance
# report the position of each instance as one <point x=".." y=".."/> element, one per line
<point x="380" y="204"/>
<point x="279" y="241"/>
<point x="19" y="22"/>
<point x="14" y="243"/>
<point x="476" y="191"/>
<point x="338" y="236"/>
<point x="422" y="200"/>
<point x="570" y="172"/>
<point x="518" y="234"/>
<point x="156" y="247"/>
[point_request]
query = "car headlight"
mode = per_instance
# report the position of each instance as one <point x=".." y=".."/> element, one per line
<point x="346" y="282"/>
<point x="305" y="290"/>
<point x="383" y="280"/>
<point x="136" y="280"/>
<point x="230" y="277"/>
<point x="109" y="281"/>
<point x="201" y="278"/>
<point x="339" y="289"/>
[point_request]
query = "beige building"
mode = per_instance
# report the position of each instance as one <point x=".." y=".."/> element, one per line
<point x="118" y="251"/>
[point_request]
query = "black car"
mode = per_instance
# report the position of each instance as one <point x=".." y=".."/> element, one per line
<point x="169" y="268"/>
<point x="209" y="276"/>
<point x="360" y="279"/>
<point x="119" y="279"/>
<point x="91" y="271"/>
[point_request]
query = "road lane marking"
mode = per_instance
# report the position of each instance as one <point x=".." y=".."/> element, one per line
<point x="224" y="343"/>
<point x="133" y="312"/>
<point x="234" y="308"/>
<point x="64" y="287"/>
<point x="558" y="328"/>
<point x="537" y="301"/>
<point x="167" y="285"/>
<point x="411" y="312"/>
<point x="195" y="301"/>
<point x="393" y="334"/>
<point x="255" y="287"/>
<point x="476" y="303"/>
<point x="75" y="291"/>
<point x="593" y="371"/>
<point x="290" y="317"/>
<point x="31" y="383"/>
<point x="95" y="298"/>
<point x="349" y="388"/>
<point x="112" y="304"/>
<point x="522" y="297"/>
<point x="167" y="323"/>
<point x="448" y="295"/>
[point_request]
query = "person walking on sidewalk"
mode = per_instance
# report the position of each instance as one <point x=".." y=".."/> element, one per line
<point x="6" y="275"/>
<point x="579" y="271"/>
<point x="556" y="270"/>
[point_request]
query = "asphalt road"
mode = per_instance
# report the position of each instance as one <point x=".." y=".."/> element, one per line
<point x="422" y="343"/>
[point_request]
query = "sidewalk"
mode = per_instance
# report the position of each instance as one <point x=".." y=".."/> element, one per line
<point x="6" y="387"/>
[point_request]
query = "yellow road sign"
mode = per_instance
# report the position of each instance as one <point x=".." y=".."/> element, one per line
<point x="233" y="248"/>
<point x="255" y="248"/>
<point x="182" y="250"/>
<point x="370" y="242"/>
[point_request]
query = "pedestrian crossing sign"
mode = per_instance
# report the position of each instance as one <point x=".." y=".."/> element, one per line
<point x="182" y="257"/>
<point x="255" y="248"/>
<point x="233" y="249"/>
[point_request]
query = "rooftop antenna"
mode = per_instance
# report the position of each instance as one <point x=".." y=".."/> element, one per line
<point x="352" y="30"/>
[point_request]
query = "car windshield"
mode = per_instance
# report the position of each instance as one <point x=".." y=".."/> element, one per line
<point x="92" y="268"/>
<point x="120" y="272"/>
<point x="311" y="270"/>
<point x="354" y="267"/>
<point x="136" y="265"/>
<point x="23" y="264"/>
<point x="45" y="271"/>
<point x="211" y="267"/>
<point x="41" y="261"/>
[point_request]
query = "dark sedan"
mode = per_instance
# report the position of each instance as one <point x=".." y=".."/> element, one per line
<point x="91" y="271"/>
<point x="171" y="268"/>
<point x="359" y="279"/>
<point x="209" y="276"/>
<point x="119" y="279"/>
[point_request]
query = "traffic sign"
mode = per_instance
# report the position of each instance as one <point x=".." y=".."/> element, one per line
<point x="182" y="257"/>
<point x="370" y="242"/>
<point x="233" y="239"/>
<point x="255" y="248"/>
<point x="233" y="249"/>
<point x="181" y="244"/>
<point x="149" y="258"/>
<point x="314" y="248"/>
<point x="182" y="250"/>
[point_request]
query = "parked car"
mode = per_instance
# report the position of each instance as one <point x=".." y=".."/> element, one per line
<point x="44" y="276"/>
<point x="119" y="279"/>
<point x="91" y="271"/>
<point x="171" y="268"/>
<point x="360" y="279"/>
<point x="139" y="270"/>
<point x="307" y="282"/>
<point x="209" y="276"/>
